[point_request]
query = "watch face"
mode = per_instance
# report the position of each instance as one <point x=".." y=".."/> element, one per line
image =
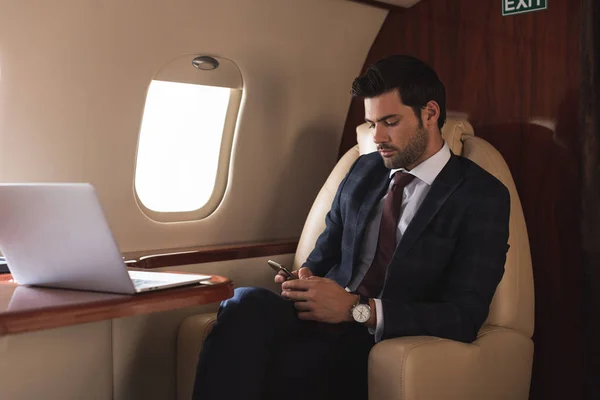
<point x="361" y="313"/>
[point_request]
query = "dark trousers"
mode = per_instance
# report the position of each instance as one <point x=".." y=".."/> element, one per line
<point x="259" y="349"/>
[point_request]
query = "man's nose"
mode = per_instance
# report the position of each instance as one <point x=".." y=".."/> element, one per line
<point x="379" y="134"/>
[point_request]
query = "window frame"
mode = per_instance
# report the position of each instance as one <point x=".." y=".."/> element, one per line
<point x="180" y="70"/>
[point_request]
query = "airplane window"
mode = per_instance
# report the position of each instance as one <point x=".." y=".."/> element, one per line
<point x="185" y="141"/>
<point x="179" y="145"/>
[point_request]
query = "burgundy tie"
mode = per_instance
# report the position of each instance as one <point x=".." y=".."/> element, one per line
<point x="372" y="283"/>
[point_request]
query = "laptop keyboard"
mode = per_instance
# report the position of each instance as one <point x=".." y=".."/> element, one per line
<point x="139" y="283"/>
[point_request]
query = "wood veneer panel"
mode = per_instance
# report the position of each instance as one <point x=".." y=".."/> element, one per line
<point x="517" y="79"/>
<point x="377" y="4"/>
<point x="590" y="190"/>
<point x="26" y="309"/>
<point x="199" y="255"/>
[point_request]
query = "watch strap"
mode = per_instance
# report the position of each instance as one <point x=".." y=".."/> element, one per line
<point x="363" y="299"/>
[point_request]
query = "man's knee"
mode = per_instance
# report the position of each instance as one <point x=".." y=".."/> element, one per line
<point x="249" y="301"/>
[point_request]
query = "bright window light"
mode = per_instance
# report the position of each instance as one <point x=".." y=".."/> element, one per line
<point x="179" y="145"/>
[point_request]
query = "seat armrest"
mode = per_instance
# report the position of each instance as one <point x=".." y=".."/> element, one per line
<point x="496" y="366"/>
<point x="192" y="332"/>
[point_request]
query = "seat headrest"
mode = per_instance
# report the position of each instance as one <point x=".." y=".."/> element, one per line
<point x="453" y="131"/>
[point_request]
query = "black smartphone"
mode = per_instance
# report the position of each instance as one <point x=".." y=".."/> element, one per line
<point x="278" y="267"/>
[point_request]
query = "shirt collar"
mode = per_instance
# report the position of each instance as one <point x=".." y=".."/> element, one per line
<point x="429" y="169"/>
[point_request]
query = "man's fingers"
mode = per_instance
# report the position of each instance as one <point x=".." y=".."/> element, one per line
<point x="295" y="273"/>
<point x="282" y="277"/>
<point x="304" y="273"/>
<point x="296" y="295"/>
<point x="304" y="305"/>
<point x="299" y="284"/>
<point x="306" y="315"/>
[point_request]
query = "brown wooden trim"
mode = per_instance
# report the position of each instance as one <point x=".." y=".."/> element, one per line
<point x="199" y="255"/>
<point x="33" y="309"/>
<point x="379" y="4"/>
<point x="589" y="161"/>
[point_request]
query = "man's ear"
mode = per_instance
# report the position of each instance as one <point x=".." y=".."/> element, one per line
<point x="431" y="113"/>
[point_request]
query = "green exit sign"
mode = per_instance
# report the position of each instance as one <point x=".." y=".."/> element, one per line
<point x="510" y="7"/>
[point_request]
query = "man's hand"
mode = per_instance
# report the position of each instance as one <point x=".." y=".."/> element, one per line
<point x="302" y="273"/>
<point x="319" y="299"/>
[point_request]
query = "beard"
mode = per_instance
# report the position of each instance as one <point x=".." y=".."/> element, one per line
<point x="411" y="154"/>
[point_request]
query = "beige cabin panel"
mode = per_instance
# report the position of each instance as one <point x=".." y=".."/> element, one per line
<point x="144" y="365"/>
<point x="72" y="363"/>
<point x="145" y="347"/>
<point x="74" y="80"/>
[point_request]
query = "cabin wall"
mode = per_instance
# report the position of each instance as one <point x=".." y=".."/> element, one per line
<point x="74" y="76"/>
<point x="516" y="79"/>
<point x="73" y="81"/>
<point x="73" y="362"/>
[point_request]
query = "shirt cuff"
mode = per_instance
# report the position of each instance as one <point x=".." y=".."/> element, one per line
<point x="378" y="331"/>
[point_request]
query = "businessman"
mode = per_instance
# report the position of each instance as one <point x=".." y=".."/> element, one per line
<point x="415" y="244"/>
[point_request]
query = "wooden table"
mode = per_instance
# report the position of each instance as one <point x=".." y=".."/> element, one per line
<point x="26" y="309"/>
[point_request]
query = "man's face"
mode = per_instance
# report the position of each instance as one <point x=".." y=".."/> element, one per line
<point x="399" y="135"/>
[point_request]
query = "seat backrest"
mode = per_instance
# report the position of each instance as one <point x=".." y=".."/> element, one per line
<point x="513" y="304"/>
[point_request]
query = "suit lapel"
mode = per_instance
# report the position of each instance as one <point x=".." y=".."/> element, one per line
<point x="446" y="182"/>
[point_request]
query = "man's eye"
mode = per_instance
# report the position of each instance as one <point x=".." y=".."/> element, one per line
<point x="371" y="126"/>
<point x="389" y="124"/>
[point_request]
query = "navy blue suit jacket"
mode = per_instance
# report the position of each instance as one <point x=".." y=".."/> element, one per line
<point x="445" y="270"/>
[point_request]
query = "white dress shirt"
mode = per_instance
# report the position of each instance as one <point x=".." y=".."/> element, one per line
<point x="413" y="195"/>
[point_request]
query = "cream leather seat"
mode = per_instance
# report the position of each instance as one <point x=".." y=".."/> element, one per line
<point x="496" y="366"/>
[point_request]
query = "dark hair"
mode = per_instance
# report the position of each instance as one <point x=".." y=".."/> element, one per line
<point x="417" y="83"/>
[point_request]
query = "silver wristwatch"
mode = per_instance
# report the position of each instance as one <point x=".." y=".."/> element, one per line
<point x="361" y="311"/>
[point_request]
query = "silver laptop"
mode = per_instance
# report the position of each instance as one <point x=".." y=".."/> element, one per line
<point x="56" y="235"/>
